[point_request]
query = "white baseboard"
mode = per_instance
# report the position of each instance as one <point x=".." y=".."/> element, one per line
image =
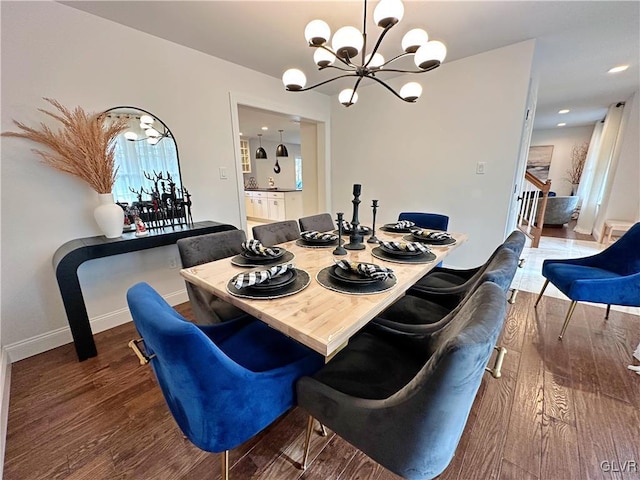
<point x="5" y="382"/>
<point x="61" y="336"/>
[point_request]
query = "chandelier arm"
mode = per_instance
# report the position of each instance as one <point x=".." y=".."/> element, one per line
<point x="326" y="81"/>
<point x="389" y="88"/>
<point x="364" y="33"/>
<point x="375" y="49"/>
<point x="337" y="68"/>
<point x="388" y="62"/>
<point x="406" y="71"/>
<point x="348" y="64"/>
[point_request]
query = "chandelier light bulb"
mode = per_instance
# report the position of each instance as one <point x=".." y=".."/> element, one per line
<point x="146" y="121"/>
<point x="376" y="62"/>
<point x="347" y="42"/>
<point x="388" y="13"/>
<point x="414" y="39"/>
<point x="345" y="97"/>
<point x="323" y="58"/>
<point x="411" y="91"/>
<point x="152" y="140"/>
<point x="317" y="32"/>
<point x="294" y="79"/>
<point x="132" y="136"/>
<point x="152" y="133"/>
<point x="430" y="55"/>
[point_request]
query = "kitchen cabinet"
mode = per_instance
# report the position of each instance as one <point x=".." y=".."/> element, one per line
<point x="272" y="205"/>
<point x="245" y="159"/>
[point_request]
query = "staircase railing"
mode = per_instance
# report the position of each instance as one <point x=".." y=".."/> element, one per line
<point x="531" y="215"/>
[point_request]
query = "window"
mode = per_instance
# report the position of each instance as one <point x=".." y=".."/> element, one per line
<point x="298" y="168"/>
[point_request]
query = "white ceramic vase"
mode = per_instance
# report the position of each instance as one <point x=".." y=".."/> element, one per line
<point x="109" y="216"/>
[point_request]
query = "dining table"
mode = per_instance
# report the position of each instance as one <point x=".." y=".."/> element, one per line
<point x="321" y="318"/>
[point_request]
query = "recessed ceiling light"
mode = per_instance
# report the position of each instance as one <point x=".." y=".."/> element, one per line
<point x="561" y="124"/>
<point x="562" y="112"/>
<point x="265" y="128"/>
<point x="241" y="133"/>
<point x="619" y="68"/>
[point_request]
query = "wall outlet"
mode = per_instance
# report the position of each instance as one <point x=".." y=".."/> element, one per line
<point x="480" y="168"/>
<point x="173" y="262"/>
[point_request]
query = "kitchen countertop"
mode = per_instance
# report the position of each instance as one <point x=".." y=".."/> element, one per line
<point x="271" y="190"/>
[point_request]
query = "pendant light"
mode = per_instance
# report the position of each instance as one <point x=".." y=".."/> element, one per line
<point x="261" y="153"/>
<point x="281" y="150"/>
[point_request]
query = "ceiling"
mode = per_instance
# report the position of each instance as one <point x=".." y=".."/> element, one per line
<point x="576" y="41"/>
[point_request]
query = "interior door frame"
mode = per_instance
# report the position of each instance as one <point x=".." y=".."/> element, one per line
<point x="322" y="150"/>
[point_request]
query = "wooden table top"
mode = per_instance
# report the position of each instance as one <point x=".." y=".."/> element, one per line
<point x="317" y="317"/>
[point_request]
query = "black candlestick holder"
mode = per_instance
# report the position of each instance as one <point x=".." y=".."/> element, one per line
<point x="355" y="238"/>
<point x="372" y="238"/>
<point x="339" y="250"/>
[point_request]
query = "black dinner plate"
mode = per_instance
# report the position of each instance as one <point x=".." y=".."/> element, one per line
<point x="267" y="258"/>
<point x="400" y="253"/>
<point x="432" y="241"/>
<point x="361" y="231"/>
<point x="347" y="276"/>
<point x="390" y="227"/>
<point x="281" y="281"/>
<point x="317" y="241"/>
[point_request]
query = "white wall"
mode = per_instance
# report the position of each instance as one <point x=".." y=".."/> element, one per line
<point x="51" y="50"/>
<point x="423" y="157"/>
<point x="263" y="169"/>
<point x="563" y="140"/>
<point x="623" y="200"/>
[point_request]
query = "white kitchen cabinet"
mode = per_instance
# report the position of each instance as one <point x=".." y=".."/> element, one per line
<point x="276" y="206"/>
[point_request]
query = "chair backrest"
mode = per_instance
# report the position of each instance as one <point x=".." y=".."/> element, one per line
<point x="199" y="382"/>
<point x="203" y="249"/>
<point x="622" y="256"/>
<point x="278" y="232"/>
<point x="515" y="241"/>
<point x="415" y="432"/>
<point x="435" y="221"/>
<point x="320" y="223"/>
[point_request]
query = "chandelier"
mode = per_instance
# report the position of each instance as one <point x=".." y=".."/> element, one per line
<point x="348" y="42"/>
<point x="151" y="135"/>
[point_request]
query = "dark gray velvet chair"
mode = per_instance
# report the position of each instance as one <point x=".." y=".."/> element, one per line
<point x="402" y="403"/>
<point x="278" y="232"/>
<point x="320" y="223"/>
<point x="207" y="308"/>
<point x="427" y="311"/>
<point x="440" y="279"/>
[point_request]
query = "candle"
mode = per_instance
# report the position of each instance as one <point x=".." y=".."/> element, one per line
<point x="357" y="189"/>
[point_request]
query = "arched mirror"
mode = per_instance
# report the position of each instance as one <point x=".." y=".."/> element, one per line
<point x="146" y="155"/>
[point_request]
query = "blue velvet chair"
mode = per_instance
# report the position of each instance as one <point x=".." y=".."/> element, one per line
<point x="434" y="221"/>
<point x="223" y="383"/>
<point x="405" y="402"/>
<point x="611" y="276"/>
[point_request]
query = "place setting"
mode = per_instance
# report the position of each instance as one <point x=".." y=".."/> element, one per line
<point x="404" y="252"/>
<point x="348" y="229"/>
<point x="434" y="238"/>
<point x="254" y="254"/>
<point x="356" y="278"/>
<point x="401" y="226"/>
<point x="268" y="283"/>
<point x="314" y="239"/>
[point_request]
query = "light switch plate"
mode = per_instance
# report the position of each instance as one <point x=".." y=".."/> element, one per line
<point x="480" y="168"/>
<point x="223" y="173"/>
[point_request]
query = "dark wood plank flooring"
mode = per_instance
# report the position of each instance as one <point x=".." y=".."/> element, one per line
<point x="560" y="410"/>
<point x="566" y="231"/>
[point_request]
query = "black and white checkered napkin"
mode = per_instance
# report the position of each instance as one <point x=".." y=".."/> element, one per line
<point x="406" y="246"/>
<point x="255" y="277"/>
<point x="433" y="235"/>
<point x="366" y="269"/>
<point x="348" y="227"/>
<point x="314" y="235"/>
<point x="256" y="247"/>
<point x="403" y="224"/>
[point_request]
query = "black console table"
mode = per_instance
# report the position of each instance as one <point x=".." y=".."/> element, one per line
<point x="72" y="254"/>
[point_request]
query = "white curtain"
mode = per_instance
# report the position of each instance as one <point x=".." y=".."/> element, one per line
<point x="601" y="148"/>
<point x="133" y="159"/>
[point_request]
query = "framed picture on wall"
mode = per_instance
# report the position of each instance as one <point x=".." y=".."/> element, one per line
<point x="539" y="160"/>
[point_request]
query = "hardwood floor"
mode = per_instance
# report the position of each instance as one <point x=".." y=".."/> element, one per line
<point x="560" y="410"/>
<point x="566" y="232"/>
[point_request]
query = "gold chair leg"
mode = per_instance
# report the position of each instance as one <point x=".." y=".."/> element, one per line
<point x="546" y="282"/>
<point x="224" y="460"/>
<point x="512" y="297"/>
<point x="307" y="443"/>
<point x="567" y="318"/>
<point x="323" y="431"/>
<point x="606" y="317"/>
